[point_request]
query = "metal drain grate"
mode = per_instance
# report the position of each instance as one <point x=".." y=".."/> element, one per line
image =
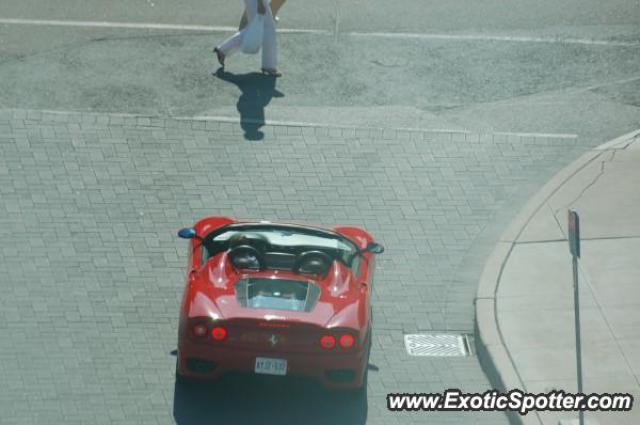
<point x="437" y="345"/>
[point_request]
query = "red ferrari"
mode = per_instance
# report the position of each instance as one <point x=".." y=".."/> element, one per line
<point x="277" y="299"/>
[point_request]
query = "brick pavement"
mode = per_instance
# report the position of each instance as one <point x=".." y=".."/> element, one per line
<point x="91" y="270"/>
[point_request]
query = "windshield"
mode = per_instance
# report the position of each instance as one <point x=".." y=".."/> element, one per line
<point x="278" y="241"/>
<point x="284" y="238"/>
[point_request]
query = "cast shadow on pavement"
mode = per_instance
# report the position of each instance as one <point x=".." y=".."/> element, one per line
<point x="251" y="400"/>
<point x="257" y="91"/>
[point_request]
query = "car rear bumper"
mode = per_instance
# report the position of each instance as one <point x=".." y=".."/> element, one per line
<point x="332" y="370"/>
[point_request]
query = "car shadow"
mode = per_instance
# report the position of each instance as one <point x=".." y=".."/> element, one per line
<point x="250" y="400"/>
<point x="257" y="91"/>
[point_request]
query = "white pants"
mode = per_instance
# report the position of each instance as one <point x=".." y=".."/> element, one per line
<point x="269" y="47"/>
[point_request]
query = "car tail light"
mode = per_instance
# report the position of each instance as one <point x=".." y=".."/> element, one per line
<point x="200" y="330"/>
<point x="346" y="341"/>
<point x="328" y="342"/>
<point x="218" y="333"/>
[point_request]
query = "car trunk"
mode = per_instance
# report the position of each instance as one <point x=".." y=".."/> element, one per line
<point x="277" y="294"/>
<point x="271" y="336"/>
<point x="271" y="299"/>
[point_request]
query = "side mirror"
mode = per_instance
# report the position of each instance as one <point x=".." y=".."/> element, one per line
<point x="374" y="248"/>
<point x="187" y="233"/>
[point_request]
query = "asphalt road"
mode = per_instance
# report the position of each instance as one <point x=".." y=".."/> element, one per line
<point x="357" y="15"/>
<point x="561" y="67"/>
<point x="99" y="196"/>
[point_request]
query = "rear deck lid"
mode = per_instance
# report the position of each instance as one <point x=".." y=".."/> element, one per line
<point x="277" y="293"/>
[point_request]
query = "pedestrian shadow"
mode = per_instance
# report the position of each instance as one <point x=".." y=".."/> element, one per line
<point x="243" y="400"/>
<point x="257" y="91"/>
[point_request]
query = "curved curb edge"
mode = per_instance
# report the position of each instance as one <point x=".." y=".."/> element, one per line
<point x="493" y="354"/>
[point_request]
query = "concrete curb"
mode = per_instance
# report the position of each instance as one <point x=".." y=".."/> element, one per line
<point x="494" y="356"/>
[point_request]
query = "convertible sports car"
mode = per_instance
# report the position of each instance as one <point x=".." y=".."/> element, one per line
<point x="277" y="299"/>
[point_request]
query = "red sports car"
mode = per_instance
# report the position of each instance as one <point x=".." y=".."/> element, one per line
<point x="277" y="299"/>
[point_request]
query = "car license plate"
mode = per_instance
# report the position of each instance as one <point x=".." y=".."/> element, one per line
<point x="269" y="366"/>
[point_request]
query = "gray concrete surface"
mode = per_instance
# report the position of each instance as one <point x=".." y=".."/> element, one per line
<point x="533" y="295"/>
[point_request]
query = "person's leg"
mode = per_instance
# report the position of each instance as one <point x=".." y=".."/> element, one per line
<point x="231" y="44"/>
<point x="234" y="42"/>
<point x="269" y="43"/>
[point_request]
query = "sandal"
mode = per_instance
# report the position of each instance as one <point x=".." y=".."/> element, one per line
<point x="220" y="55"/>
<point x="271" y="72"/>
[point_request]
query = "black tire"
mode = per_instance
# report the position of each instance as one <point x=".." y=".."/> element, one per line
<point x="183" y="380"/>
<point x="353" y="395"/>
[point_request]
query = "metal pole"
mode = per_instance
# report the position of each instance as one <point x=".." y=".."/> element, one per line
<point x="574" y="248"/>
<point x="576" y="297"/>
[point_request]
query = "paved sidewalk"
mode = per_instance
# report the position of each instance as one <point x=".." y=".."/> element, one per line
<point x="526" y="289"/>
